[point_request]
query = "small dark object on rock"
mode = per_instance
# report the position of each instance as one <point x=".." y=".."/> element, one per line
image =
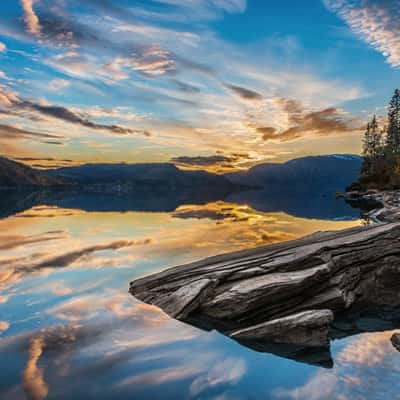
<point x="395" y="339"/>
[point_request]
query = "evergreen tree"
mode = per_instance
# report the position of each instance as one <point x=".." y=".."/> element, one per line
<point x="372" y="147"/>
<point x="367" y="142"/>
<point x="376" y="139"/>
<point x="381" y="166"/>
<point x="393" y="132"/>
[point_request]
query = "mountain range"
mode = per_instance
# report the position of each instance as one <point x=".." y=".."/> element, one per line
<point x="331" y="171"/>
<point x="336" y="171"/>
<point x="15" y="174"/>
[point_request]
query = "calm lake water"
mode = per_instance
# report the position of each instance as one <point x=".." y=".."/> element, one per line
<point x="69" y="329"/>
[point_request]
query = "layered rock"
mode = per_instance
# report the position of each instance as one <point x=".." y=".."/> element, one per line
<point x="289" y="298"/>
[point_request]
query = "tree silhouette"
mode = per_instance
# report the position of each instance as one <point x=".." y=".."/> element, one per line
<point x="393" y="131"/>
<point x="373" y="149"/>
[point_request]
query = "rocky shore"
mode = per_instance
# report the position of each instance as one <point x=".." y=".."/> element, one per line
<point x="293" y="298"/>
<point x="385" y="204"/>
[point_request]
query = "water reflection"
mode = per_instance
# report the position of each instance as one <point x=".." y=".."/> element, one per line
<point x="69" y="328"/>
<point x="299" y="202"/>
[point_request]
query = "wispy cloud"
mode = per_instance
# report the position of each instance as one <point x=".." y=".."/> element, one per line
<point x="244" y="93"/>
<point x="30" y="18"/>
<point x="65" y="114"/>
<point x="56" y="85"/>
<point x="18" y="104"/>
<point x="376" y="22"/>
<point x="11" y="132"/>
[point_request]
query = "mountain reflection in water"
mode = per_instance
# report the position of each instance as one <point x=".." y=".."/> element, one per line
<point x="70" y="329"/>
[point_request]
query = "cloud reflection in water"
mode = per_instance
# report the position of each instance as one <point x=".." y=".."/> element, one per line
<point x="72" y="327"/>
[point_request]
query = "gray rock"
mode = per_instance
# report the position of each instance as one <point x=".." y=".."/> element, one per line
<point x="300" y="293"/>
<point x="309" y="327"/>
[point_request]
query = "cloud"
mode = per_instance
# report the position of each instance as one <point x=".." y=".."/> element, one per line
<point x="160" y="376"/>
<point x="63" y="161"/>
<point x="45" y="163"/>
<point x="15" y="133"/>
<point x="53" y="143"/>
<point x="202" y="161"/>
<point x="66" y="259"/>
<point x="226" y="372"/>
<point x="30" y="18"/>
<point x="268" y="132"/>
<point x="10" y="242"/>
<point x="244" y="93"/>
<point x="13" y="101"/>
<point x="320" y="387"/>
<point x="303" y="122"/>
<point x="67" y="115"/>
<point x="197" y="213"/>
<point x="185" y="87"/>
<point x="7" y="96"/>
<point x="377" y="23"/>
<point x="16" y="268"/>
<point x="204" y="9"/>
<point x="324" y="122"/>
<point x="217" y="163"/>
<point x="4" y="325"/>
<point x="59" y="341"/>
<point x="56" y="85"/>
<point x="53" y="27"/>
<point x="366" y="367"/>
<point x="33" y="381"/>
<point x="151" y="61"/>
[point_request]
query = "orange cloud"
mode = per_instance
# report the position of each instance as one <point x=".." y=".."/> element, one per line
<point x="4" y="325"/>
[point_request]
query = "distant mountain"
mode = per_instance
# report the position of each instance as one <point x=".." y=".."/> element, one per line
<point x="303" y="187"/>
<point x="157" y="175"/>
<point x="333" y="172"/>
<point x="14" y="174"/>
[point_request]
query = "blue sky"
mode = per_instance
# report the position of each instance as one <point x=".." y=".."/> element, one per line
<point x="229" y="83"/>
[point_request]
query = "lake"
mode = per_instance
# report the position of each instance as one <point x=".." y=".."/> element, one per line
<point x="69" y="329"/>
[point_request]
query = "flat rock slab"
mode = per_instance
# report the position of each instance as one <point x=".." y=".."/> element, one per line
<point x="309" y="327"/>
<point x="288" y="293"/>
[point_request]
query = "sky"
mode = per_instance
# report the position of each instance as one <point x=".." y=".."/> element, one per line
<point x="212" y="84"/>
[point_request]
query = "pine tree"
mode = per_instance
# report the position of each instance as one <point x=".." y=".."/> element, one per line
<point x="376" y="139"/>
<point x="393" y="133"/>
<point x="367" y="141"/>
<point x="367" y="147"/>
<point x="372" y="147"/>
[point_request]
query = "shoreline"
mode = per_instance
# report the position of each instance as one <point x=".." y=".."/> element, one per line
<point x="389" y="201"/>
